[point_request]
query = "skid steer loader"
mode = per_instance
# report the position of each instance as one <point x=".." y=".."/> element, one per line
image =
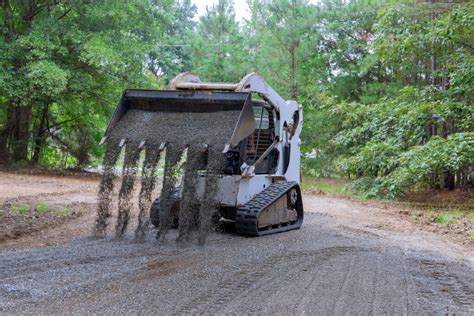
<point x="258" y="190"/>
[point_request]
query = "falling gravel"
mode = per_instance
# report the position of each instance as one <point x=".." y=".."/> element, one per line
<point x="196" y="161"/>
<point x="170" y="181"/>
<point x="152" y="156"/>
<point x="200" y="137"/>
<point x="128" y="179"/>
<point x="209" y="204"/>
<point x="105" y="188"/>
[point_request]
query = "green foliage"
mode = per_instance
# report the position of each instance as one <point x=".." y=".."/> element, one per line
<point x="327" y="185"/>
<point x="396" y="139"/>
<point x="172" y="55"/>
<point x="444" y="218"/>
<point x="74" y="59"/>
<point x="42" y="208"/>
<point x="20" y="209"/>
<point x="386" y="85"/>
<point x="48" y="78"/>
<point x="280" y="40"/>
<point x="437" y="156"/>
<point x="64" y="212"/>
<point x="217" y="47"/>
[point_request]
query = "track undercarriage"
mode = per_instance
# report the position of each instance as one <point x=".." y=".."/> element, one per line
<point x="276" y="209"/>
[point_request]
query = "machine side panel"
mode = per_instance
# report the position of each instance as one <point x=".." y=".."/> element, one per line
<point x="228" y="188"/>
<point x="249" y="187"/>
<point x="235" y="190"/>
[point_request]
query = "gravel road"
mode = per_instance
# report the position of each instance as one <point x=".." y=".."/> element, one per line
<point x="333" y="265"/>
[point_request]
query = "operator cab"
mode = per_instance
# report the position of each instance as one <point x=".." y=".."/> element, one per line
<point x="254" y="146"/>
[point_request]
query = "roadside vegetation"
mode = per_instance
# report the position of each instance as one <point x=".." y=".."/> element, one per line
<point x="441" y="211"/>
<point x="19" y="217"/>
<point x="386" y="85"/>
<point x="320" y="185"/>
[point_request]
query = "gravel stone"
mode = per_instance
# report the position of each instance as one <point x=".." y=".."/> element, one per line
<point x="322" y="268"/>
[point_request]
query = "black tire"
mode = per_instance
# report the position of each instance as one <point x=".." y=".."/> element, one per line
<point x="155" y="213"/>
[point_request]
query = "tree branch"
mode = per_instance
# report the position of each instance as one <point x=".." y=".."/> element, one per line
<point x="60" y="123"/>
<point x="64" y="14"/>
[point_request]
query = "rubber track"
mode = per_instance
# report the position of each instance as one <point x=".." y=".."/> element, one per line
<point x="246" y="220"/>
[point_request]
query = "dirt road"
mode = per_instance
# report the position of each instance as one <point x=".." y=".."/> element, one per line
<point x="349" y="257"/>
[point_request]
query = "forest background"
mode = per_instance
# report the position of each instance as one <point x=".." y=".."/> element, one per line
<point x="386" y="86"/>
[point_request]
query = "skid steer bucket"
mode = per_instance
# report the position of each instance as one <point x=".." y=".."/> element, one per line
<point x="189" y="102"/>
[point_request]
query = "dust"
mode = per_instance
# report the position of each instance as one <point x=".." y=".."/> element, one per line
<point x="200" y="137"/>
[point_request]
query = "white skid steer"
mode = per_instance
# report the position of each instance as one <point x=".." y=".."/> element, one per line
<point x="259" y="189"/>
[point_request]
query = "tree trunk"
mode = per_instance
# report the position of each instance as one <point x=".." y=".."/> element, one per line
<point x="293" y="45"/>
<point x="433" y="69"/>
<point x="464" y="179"/>
<point x="5" y="135"/>
<point x="433" y="54"/>
<point x="294" y="87"/>
<point x="82" y="153"/>
<point x="40" y="135"/>
<point x="20" y="133"/>
<point x="434" y="129"/>
<point x="448" y="180"/>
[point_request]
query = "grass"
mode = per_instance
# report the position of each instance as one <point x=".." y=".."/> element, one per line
<point x="444" y="218"/>
<point x="471" y="216"/>
<point x="326" y="185"/>
<point x="20" y="209"/>
<point x="471" y="237"/>
<point x="63" y="212"/>
<point x="42" y="208"/>
<point x="456" y="213"/>
<point x="447" y="217"/>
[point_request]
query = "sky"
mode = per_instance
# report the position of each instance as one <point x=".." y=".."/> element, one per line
<point x="240" y="7"/>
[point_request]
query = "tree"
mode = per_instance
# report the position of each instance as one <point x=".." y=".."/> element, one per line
<point x="282" y="41"/>
<point x="421" y="135"/>
<point x="63" y="64"/>
<point x="217" y="48"/>
<point x="172" y="56"/>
